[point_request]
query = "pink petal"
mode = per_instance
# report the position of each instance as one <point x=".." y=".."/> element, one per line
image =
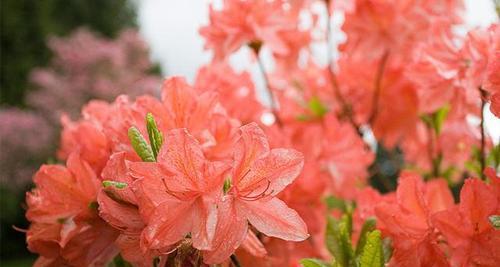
<point x="230" y="232"/>
<point x="150" y="192"/>
<point x="253" y="245"/>
<point x="273" y="218"/>
<point x="495" y="104"/>
<point x="204" y="223"/>
<point x="410" y="195"/>
<point x="130" y="250"/>
<point x="456" y="234"/>
<point x="477" y="202"/>
<point x="276" y="171"/>
<point x="117" y="170"/>
<point x="169" y="224"/>
<point x="94" y="246"/>
<point x="251" y="145"/>
<point x="181" y="154"/>
<point x="438" y="195"/>
<point x="84" y="176"/>
<point x="122" y="216"/>
<point x="178" y="97"/>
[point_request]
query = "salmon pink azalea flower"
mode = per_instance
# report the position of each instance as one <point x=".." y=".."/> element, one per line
<point x="408" y="221"/>
<point x="468" y="231"/>
<point x="65" y="226"/>
<point x="182" y="188"/>
<point x="257" y="176"/>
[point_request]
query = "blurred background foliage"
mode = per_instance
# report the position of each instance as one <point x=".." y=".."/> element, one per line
<point x="25" y="28"/>
<point x="26" y="24"/>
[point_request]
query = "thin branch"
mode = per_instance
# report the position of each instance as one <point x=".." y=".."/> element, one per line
<point x="435" y="162"/>
<point x="378" y="86"/>
<point x="267" y="85"/>
<point x="235" y="261"/>
<point x="346" y="109"/>
<point x="482" y="155"/>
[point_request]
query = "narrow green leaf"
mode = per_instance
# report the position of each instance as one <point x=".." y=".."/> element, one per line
<point x="313" y="263"/>
<point x="335" y="203"/>
<point x="118" y="185"/>
<point x="316" y="107"/>
<point x="372" y="254"/>
<point x="338" y="240"/>
<point x="226" y="186"/>
<point x="493" y="158"/>
<point x="347" y="220"/>
<point x="368" y="226"/>
<point x="155" y="136"/>
<point x="439" y="117"/>
<point x="303" y="117"/>
<point x="495" y="221"/>
<point x="141" y="147"/>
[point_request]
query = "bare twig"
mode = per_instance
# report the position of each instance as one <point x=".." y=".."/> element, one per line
<point x="482" y="153"/>
<point x="346" y="109"/>
<point x="378" y="86"/>
<point x="235" y="261"/>
<point x="274" y="109"/>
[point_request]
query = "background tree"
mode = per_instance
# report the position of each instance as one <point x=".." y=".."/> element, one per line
<point x="26" y="24"/>
<point x="25" y="28"/>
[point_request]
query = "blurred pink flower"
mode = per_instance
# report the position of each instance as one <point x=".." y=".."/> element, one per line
<point x="86" y="66"/>
<point x="26" y="140"/>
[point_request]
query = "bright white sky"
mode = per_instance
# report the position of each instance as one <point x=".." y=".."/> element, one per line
<point x="171" y="29"/>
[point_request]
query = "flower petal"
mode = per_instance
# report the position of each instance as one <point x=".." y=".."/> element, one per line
<point x="170" y="223"/>
<point x="181" y="154"/>
<point x="204" y="223"/>
<point x="229" y="233"/>
<point x="251" y="145"/>
<point x="477" y="202"/>
<point x="277" y="170"/>
<point x="117" y="170"/>
<point x="273" y="218"/>
<point x="122" y="216"/>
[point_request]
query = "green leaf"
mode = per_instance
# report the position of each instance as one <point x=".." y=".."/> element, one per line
<point x="372" y="254"/>
<point x="118" y="261"/>
<point x="226" y="186"/>
<point x="439" y="117"/>
<point x="303" y="117"/>
<point x="495" y="221"/>
<point x="93" y="205"/>
<point x="316" y="107"/>
<point x="335" y="203"/>
<point x="473" y="165"/>
<point x="141" y="147"/>
<point x="368" y="226"/>
<point x="313" y="263"/>
<point x="155" y="136"/>
<point x="493" y="158"/>
<point x="118" y="185"/>
<point x="338" y="240"/>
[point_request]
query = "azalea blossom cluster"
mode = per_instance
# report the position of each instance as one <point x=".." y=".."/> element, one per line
<point x="209" y="175"/>
<point x="197" y="183"/>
